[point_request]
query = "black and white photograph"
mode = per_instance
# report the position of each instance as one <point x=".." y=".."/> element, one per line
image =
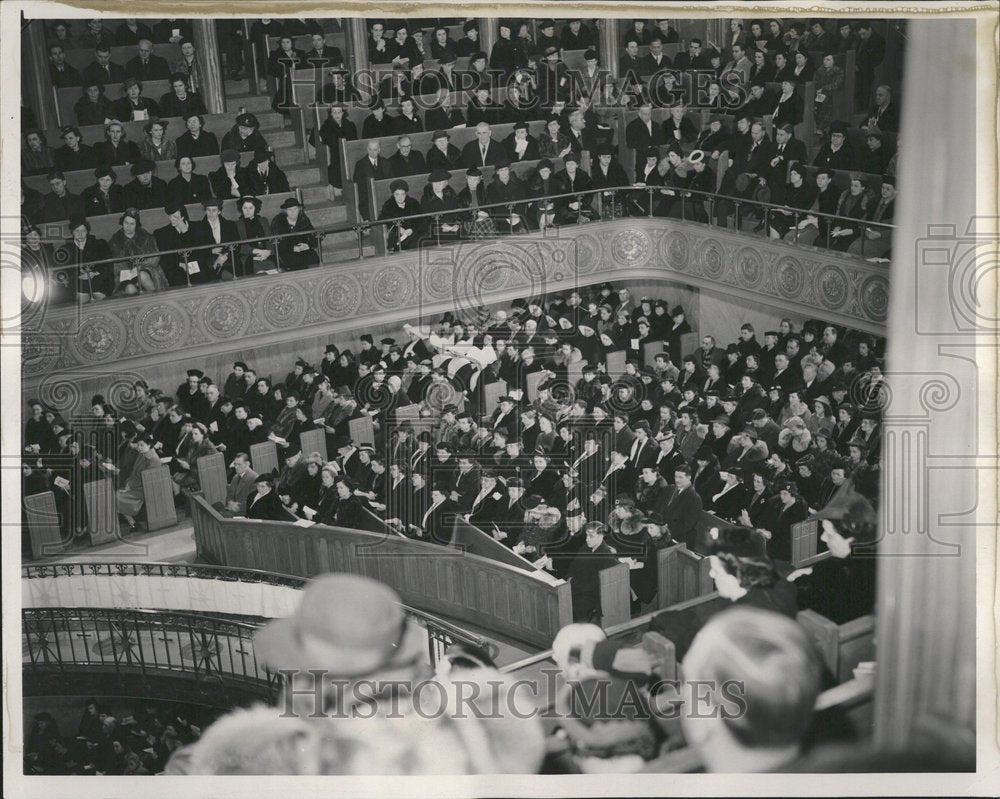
<point x="628" y="427"/>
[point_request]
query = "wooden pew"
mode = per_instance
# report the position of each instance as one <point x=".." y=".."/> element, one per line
<point x="158" y="494"/>
<point x="491" y="395"/>
<point x="106" y="225"/>
<point x="361" y="431"/>
<point x="805" y="544"/>
<point x="842" y="178"/>
<point x="681" y="575"/>
<point x="43" y="524"/>
<point x="532" y="382"/>
<point x="212" y="477"/>
<point x="478" y="591"/>
<point x="616" y="595"/>
<point x="358" y="112"/>
<point x="351" y="152"/>
<point x="80" y="179"/>
<point x="842" y="646"/>
<point x="314" y="441"/>
<point x="102" y="511"/>
<point x="219" y="124"/>
<point x="614" y="362"/>
<point x="379" y="189"/>
<point x="264" y="457"/>
<point x="650" y="350"/>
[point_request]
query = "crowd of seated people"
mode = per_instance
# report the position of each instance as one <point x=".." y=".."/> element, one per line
<point x="71" y="273"/>
<point x="760" y="433"/>
<point x="137" y="742"/>
<point x="824" y="193"/>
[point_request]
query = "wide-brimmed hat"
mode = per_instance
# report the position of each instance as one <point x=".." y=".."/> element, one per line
<point x="346" y="624"/>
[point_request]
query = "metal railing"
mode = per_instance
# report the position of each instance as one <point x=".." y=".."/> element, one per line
<point x="440" y="634"/>
<point x="612" y="203"/>
<point x="202" y="647"/>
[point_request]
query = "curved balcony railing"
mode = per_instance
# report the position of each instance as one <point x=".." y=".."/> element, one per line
<point x="440" y="633"/>
<point x="606" y="204"/>
<point x="204" y="648"/>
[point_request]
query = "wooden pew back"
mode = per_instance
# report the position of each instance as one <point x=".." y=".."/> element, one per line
<point x="43" y="524"/>
<point x="157" y="490"/>
<point x="842" y="647"/>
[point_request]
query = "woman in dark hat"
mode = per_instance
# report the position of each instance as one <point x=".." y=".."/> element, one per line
<point x="376" y="124"/>
<point x="93" y="107"/>
<point x="93" y="281"/>
<point x="295" y="251"/>
<point x="244" y="136"/>
<point x="140" y="267"/>
<point x="256" y="255"/>
<point x="477" y="223"/>
<point x="440" y="198"/>
<point x="705" y="479"/>
<point x="799" y="195"/>
<point x="402" y="235"/>
<point x="188" y="266"/>
<point x="105" y="196"/>
<point x="145" y="190"/>
<point x="791" y="510"/>
<point x="264" y="503"/>
<point x="842" y="587"/>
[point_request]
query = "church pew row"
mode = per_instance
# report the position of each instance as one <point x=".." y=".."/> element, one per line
<point x="351" y="152"/>
<point x="218" y="124"/>
<point x="380" y="189"/>
<point x="80" y="179"/>
<point x="468" y="588"/>
<point x="106" y="225"/>
<point x="67" y="96"/>
<point x="840" y="647"/>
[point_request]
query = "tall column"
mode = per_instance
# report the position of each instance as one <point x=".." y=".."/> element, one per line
<point x="939" y="489"/>
<point x="607" y="42"/>
<point x="206" y="44"/>
<point x="36" y="77"/>
<point x="357" y="44"/>
<point x="489" y="32"/>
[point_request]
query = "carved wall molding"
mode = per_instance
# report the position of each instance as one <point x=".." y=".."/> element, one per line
<point x="134" y="331"/>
